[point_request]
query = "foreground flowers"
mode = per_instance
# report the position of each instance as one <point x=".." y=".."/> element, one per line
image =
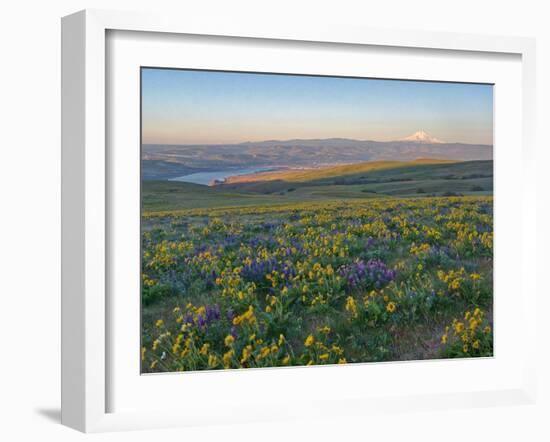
<point x="317" y="283"/>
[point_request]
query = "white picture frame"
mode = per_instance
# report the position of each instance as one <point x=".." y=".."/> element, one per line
<point x="86" y="207"/>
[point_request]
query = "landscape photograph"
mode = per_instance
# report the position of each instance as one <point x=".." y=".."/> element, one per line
<point x="297" y="220"/>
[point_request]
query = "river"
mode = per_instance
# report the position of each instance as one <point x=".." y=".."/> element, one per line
<point x="208" y="178"/>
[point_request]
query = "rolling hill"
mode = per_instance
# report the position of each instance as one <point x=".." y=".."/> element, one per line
<point x="163" y="161"/>
<point x="413" y="179"/>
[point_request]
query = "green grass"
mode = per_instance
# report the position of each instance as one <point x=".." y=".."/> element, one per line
<point x="324" y="173"/>
<point x="380" y="181"/>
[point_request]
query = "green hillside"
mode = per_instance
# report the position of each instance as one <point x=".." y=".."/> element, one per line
<point x="413" y="179"/>
<point x="324" y="173"/>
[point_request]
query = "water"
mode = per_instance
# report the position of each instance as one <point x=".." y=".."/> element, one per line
<point x="208" y="178"/>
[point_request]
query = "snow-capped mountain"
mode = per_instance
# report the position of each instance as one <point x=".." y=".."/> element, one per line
<point x="421" y="137"/>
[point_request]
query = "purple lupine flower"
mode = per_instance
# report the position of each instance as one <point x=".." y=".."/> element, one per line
<point x="373" y="274"/>
<point x="201" y="321"/>
<point x="212" y="313"/>
<point x="234" y="332"/>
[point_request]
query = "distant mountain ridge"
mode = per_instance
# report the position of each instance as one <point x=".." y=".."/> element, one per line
<point x="165" y="161"/>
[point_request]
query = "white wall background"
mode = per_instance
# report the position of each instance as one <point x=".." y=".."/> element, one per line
<point x="30" y="213"/>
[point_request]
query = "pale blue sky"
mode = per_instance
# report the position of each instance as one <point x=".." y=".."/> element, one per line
<point x="200" y="107"/>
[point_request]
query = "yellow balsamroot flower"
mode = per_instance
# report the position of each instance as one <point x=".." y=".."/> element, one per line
<point x="268" y="309"/>
<point x="390" y="307"/>
<point x="476" y="344"/>
<point x="286" y="360"/>
<point x="153" y="364"/>
<point x="324" y="356"/>
<point x="487" y="330"/>
<point x="265" y="352"/>
<point x="176" y="346"/>
<point x="310" y="340"/>
<point x="274" y="349"/>
<point x="246" y="354"/>
<point x="325" y="329"/>
<point x="475" y="276"/>
<point x="159" y="323"/>
<point x="281" y="340"/>
<point x="227" y="358"/>
<point x="204" y="349"/>
<point x="465" y="348"/>
<point x="342" y="361"/>
<point x="229" y="340"/>
<point x="143" y="350"/>
<point x="444" y="339"/>
<point x="351" y="307"/>
<point x="459" y="327"/>
<point x="212" y="360"/>
<point x="156" y="344"/>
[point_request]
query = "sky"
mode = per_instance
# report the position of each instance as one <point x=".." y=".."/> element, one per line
<point x="211" y="107"/>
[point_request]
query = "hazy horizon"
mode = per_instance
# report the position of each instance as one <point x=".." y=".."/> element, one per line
<point x="186" y="107"/>
<point x="294" y="139"/>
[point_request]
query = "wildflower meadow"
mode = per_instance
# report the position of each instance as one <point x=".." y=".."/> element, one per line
<point x="328" y="282"/>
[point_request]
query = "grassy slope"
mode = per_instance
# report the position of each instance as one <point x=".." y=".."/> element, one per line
<point x="403" y="180"/>
<point x="296" y="176"/>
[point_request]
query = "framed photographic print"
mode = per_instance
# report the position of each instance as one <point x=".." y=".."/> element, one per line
<point x="254" y="212"/>
<point x="312" y="244"/>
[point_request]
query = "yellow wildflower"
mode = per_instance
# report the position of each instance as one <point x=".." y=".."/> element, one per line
<point x="212" y="360"/>
<point x="204" y="349"/>
<point x="265" y="352"/>
<point x="229" y="340"/>
<point x="246" y="354"/>
<point x="227" y="358"/>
